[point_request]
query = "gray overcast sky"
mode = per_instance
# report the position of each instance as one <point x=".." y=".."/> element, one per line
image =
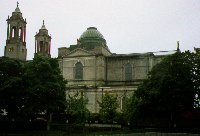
<point x="129" y="26"/>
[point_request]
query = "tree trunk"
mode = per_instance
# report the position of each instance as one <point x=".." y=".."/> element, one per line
<point x="49" y="120"/>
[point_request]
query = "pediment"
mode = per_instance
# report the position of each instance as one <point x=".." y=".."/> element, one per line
<point x="79" y="52"/>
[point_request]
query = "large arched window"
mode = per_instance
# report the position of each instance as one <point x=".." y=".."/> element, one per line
<point x="78" y="70"/>
<point x="128" y="72"/>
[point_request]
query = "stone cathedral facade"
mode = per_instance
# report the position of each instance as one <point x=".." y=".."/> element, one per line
<point x="89" y="66"/>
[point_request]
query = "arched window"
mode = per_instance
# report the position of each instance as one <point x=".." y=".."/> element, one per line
<point x="13" y="32"/>
<point x="78" y="70"/>
<point x="41" y="46"/>
<point x="128" y="72"/>
<point x="20" y="33"/>
<point x="46" y="47"/>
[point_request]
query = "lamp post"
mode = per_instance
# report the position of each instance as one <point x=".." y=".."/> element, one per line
<point x="102" y="92"/>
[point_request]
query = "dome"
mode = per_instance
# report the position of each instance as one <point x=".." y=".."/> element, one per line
<point x="91" y="32"/>
<point x="92" y="38"/>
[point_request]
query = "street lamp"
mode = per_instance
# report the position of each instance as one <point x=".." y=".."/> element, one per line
<point x="102" y="92"/>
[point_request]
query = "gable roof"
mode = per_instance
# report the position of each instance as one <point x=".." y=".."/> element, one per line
<point x="79" y="52"/>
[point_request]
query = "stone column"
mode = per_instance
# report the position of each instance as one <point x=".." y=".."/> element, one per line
<point x="35" y="46"/>
<point x="25" y="33"/>
<point x="8" y="31"/>
<point x="49" y="46"/>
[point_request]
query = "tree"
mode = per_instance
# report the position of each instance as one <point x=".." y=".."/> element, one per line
<point x="193" y="59"/>
<point x="12" y="89"/>
<point x="130" y="110"/>
<point x="45" y="85"/>
<point x="108" y="108"/>
<point x="168" y="90"/>
<point x="76" y="108"/>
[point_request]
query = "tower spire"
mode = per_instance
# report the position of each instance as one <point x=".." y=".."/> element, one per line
<point x="16" y="36"/>
<point x="17" y="8"/>
<point x="43" y="26"/>
<point x="43" y="42"/>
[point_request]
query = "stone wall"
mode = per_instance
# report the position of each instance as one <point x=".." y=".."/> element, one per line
<point x="15" y="50"/>
<point x="105" y="74"/>
<point x="93" y="70"/>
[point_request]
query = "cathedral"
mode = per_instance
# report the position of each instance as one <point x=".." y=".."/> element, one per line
<point x="88" y="66"/>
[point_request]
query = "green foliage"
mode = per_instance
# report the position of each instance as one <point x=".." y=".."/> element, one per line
<point x="168" y="90"/>
<point x="108" y="108"/>
<point x="193" y="59"/>
<point x="12" y="90"/>
<point x="76" y="108"/>
<point x="130" y="110"/>
<point x="45" y="84"/>
<point x="31" y="87"/>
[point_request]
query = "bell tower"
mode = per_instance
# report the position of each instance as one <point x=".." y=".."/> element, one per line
<point x="16" y="36"/>
<point x="43" y="42"/>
